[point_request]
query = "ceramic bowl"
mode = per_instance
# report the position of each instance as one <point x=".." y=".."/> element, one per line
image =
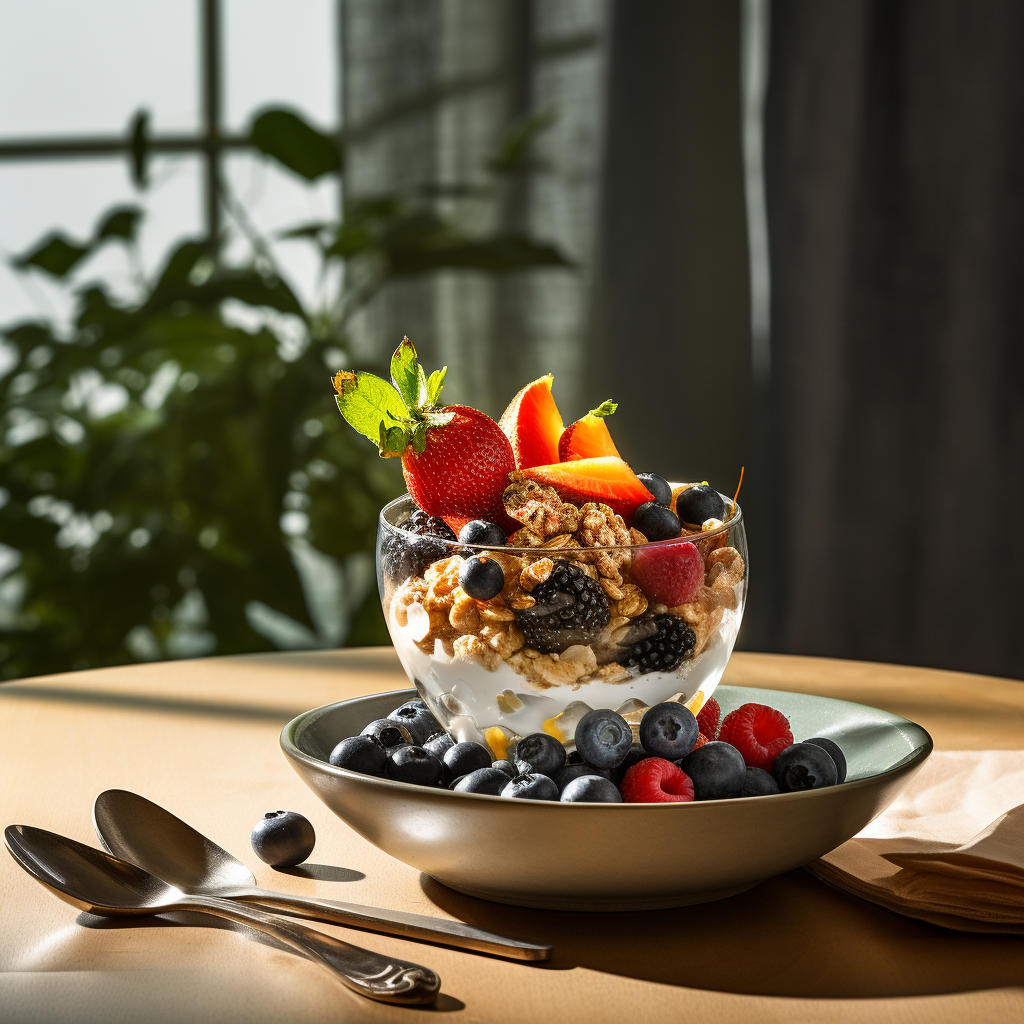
<point x="495" y="671"/>
<point x="582" y="856"/>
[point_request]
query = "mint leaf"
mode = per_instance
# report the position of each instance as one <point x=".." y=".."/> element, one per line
<point x="370" y="404"/>
<point x="406" y="373"/>
<point x="605" y="409"/>
<point x="434" y="384"/>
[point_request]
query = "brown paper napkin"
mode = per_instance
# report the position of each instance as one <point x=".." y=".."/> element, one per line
<point x="950" y="850"/>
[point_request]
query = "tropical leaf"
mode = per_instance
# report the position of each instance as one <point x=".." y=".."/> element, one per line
<point x="295" y="144"/>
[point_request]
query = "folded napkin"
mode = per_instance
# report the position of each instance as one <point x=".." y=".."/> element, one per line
<point x="950" y="850"/>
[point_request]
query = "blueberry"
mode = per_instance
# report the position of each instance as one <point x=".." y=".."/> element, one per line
<point x="387" y="733"/>
<point x="571" y="772"/>
<point x="804" y="766"/>
<point x="482" y="534"/>
<point x="360" y="754"/>
<point x="635" y="753"/>
<point x="759" y="783"/>
<point x="717" y="771"/>
<point x="656" y="522"/>
<point x="481" y="578"/>
<point x="464" y="758"/>
<point x="835" y="752"/>
<point x="591" y="789"/>
<point x="531" y="787"/>
<point x="417" y="718"/>
<point x="543" y="753"/>
<point x="668" y="730"/>
<point x="507" y="767"/>
<point x="603" y="738"/>
<point x="698" y="504"/>
<point x="415" y="765"/>
<point x="438" y="744"/>
<point x="658" y="486"/>
<point x="283" y="839"/>
<point x="484" y="780"/>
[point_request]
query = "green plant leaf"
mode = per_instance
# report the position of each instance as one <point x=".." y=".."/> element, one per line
<point x="295" y="144"/>
<point x="605" y="409"/>
<point x="434" y="384"/>
<point x="406" y="372"/>
<point x="514" y="146"/>
<point x="370" y="405"/>
<point x="121" y="222"/>
<point x="56" y="255"/>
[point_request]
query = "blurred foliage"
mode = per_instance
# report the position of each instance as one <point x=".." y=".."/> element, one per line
<point x="175" y="484"/>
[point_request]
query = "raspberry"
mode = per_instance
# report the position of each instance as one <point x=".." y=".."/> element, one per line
<point x="758" y="732"/>
<point x="656" y="781"/>
<point x="708" y="718"/>
<point x="671" y="573"/>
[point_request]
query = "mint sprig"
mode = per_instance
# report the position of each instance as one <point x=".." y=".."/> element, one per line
<point x="393" y="414"/>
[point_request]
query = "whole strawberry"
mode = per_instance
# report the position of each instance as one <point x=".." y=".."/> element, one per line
<point x="456" y="460"/>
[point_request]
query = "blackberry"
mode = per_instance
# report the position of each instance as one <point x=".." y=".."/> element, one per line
<point x="402" y="556"/>
<point x="666" y="642"/>
<point x="571" y="609"/>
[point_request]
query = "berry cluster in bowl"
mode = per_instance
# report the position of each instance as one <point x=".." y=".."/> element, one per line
<point x="530" y="575"/>
<point x="670" y="756"/>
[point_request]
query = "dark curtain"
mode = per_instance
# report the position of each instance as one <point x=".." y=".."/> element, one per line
<point x="894" y="138"/>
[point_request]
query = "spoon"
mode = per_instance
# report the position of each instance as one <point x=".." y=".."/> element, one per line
<point x="100" y="884"/>
<point x="143" y="833"/>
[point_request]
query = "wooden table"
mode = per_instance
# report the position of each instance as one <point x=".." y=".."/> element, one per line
<point x="201" y="738"/>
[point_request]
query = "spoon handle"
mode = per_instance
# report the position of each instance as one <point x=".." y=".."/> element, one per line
<point x="373" y="975"/>
<point x="397" y="922"/>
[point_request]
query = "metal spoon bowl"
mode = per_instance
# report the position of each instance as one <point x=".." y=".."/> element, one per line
<point x="97" y="883"/>
<point x="144" y="833"/>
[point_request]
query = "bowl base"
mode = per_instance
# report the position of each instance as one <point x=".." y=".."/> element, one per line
<point x="662" y="901"/>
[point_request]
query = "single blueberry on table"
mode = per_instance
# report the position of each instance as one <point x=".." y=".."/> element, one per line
<point x="464" y="758"/>
<point x="438" y="744"/>
<point x="658" y="486"/>
<point x="283" y="839"/>
<point x="418" y="719"/>
<point x="481" y="578"/>
<point x="360" y="754"/>
<point x="804" y="766"/>
<point x="668" y="730"/>
<point x="484" y="780"/>
<point x="414" y="765"/>
<point x="541" y="751"/>
<point x="387" y="733"/>
<point x="717" y="771"/>
<point x="531" y="787"/>
<point x="656" y="522"/>
<point x="603" y="738"/>
<point x="591" y="789"/>
<point x="571" y="772"/>
<point x="482" y="534"/>
<point x="759" y="783"/>
<point x="835" y="752"/>
<point x="698" y="504"/>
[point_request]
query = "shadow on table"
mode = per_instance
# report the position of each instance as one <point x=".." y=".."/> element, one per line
<point x="789" y="936"/>
<point x="324" y="873"/>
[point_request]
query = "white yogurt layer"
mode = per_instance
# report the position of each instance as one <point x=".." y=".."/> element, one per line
<point x="470" y="699"/>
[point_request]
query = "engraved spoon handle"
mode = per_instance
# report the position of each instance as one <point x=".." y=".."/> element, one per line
<point x="373" y="975"/>
<point x="402" y="923"/>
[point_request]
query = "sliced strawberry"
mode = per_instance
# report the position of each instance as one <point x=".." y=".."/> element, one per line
<point x="533" y="424"/>
<point x="607" y="479"/>
<point x="588" y="437"/>
<point x="672" y="573"/>
<point x="463" y="470"/>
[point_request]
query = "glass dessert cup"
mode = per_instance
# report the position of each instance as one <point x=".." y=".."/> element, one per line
<point x="602" y="634"/>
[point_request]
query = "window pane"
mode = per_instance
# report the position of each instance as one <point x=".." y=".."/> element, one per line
<point x="71" y="196"/>
<point x="282" y="54"/>
<point x="83" y="67"/>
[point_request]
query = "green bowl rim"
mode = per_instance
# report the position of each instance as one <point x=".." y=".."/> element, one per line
<point x="292" y="752"/>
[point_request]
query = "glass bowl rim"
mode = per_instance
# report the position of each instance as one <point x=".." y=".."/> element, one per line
<point x="734" y="520"/>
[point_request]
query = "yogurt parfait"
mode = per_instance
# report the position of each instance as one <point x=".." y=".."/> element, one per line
<point x="529" y="575"/>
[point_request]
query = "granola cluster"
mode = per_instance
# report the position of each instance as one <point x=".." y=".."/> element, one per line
<point x="440" y="616"/>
